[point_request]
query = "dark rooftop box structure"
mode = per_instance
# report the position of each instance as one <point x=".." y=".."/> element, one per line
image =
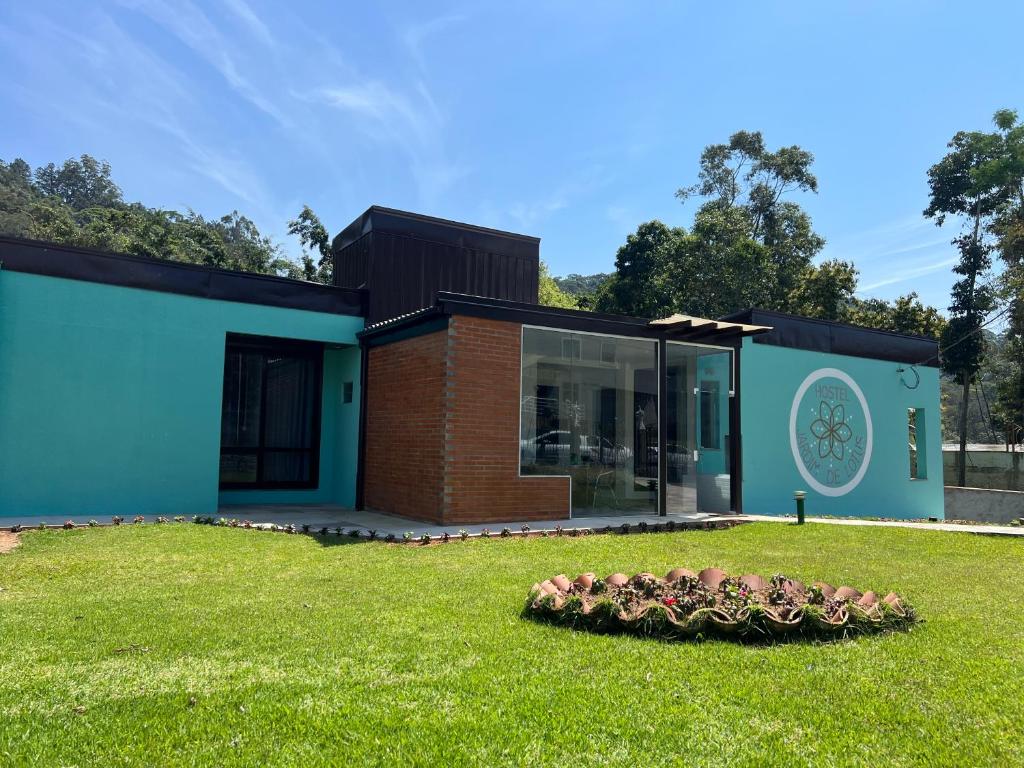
<point x="403" y="259"/>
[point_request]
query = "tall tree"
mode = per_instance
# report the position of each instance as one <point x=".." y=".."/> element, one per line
<point x="314" y="237"/>
<point x="638" y="286"/>
<point x="749" y="185"/>
<point x="1009" y="229"/>
<point x="825" y="291"/>
<point x="79" y="184"/>
<point x="965" y="184"/>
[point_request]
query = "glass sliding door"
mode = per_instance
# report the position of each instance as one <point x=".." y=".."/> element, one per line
<point x="589" y="410"/>
<point x="699" y="381"/>
<point x="681" y="433"/>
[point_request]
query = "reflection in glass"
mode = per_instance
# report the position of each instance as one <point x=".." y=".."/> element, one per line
<point x="697" y="434"/>
<point x="589" y="410"/>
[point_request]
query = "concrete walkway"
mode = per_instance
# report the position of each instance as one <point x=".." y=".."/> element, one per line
<point x="332" y="517"/>
<point x="990" y="530"/>
<point x="335" y="517"/>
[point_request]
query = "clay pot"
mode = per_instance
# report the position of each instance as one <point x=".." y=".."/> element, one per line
<point x="868" y="598"/>
<point x="895" y="604"/>
<point x="780" y="623"/>
<point x="837" y="620"/>
<point x="870" y="611"/>
<point x="678" y="573"/>
<point x="826" y="589"/>
<point x="562" y="582"/>
<point x="617" y="580"/>
<point x="655" y="620"/>
<point x="547" y="587"/>
<point x="585" y="580"/>
<point x="695" y="623"/>
<point x="847" y="593"/>
<point x="723" y="622"/>
<point x="753" y="582"/>
<point x="642" y="578"/>
<point x="712" y="577"/>
<point x="794" y="587"/>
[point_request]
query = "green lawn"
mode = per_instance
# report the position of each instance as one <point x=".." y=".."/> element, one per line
<point x="273" y="649"/>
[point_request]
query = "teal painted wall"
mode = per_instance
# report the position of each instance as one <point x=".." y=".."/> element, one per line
<point x="771" y="377"/>
<point x="110" y="398"/>
<point x="715" y="367"/>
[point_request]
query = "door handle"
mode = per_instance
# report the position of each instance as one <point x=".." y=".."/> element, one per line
<point x="696" y="455"/>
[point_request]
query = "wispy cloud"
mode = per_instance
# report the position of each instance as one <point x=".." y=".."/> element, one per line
<point x="582" y="185"/>
<point x="193" y="28"/>
<point x="188" y="83"/>
<point x="407" y="120"/>
<point x="121" y="84"/>
<point x="909" y="274"/>
<point x="254" y="23"/>
<point x="415" y="35"/>
<point x="899" y="251"/>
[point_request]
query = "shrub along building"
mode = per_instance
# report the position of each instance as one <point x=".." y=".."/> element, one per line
<point x="428" y="382"/>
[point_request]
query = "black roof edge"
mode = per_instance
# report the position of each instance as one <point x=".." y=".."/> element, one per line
<point x="417" y="225"/>
<point x="751" y="311"/>
<point x="835" y="337"/>
<point x="462" y="300"/>
<point x="72" y="262"/>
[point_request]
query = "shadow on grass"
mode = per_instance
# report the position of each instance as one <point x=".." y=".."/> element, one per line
<point x="762" y="639"/>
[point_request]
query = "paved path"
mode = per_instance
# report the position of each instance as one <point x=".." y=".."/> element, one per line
<point x="383" y="524"/>
<point x="332" y="517"/>
<point x="318" y="516"/>
<point x="991" y="530"/>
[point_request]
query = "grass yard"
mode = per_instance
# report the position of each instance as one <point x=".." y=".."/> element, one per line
<point x="190" y="645"/>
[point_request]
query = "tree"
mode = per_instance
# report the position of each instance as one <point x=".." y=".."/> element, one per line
<point x="745" y="187"/>
<point x="79" y="184"/>
<point x="1009" y="231"/>
<point x="314" y="237"/>
<point x="907" y="314"/>
<point x="825" y="291"/>
<point x="78" y="203"/>
<point x="638" y="286"/>
<point x="966" y="183"/>
<point x="549" y="293"/>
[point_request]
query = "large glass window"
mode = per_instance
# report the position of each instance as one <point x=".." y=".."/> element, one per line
<point x="589" y="410"/>
<point x="270" y="422"/>
<point x="697" y="435"/>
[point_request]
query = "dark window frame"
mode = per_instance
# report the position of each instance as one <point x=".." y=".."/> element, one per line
<point x="270" y="346"/>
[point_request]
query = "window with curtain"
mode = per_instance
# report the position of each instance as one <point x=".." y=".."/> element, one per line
<point x="270" y="422"/>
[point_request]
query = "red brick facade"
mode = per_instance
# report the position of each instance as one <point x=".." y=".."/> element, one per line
<point x="442" y="438"/>
<point x="404" y="469"/>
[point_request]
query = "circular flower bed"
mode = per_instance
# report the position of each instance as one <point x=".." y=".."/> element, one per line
<point x="686" y="605"/>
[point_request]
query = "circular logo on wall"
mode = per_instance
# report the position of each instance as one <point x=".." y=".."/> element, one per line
<point x="830" y="432"/>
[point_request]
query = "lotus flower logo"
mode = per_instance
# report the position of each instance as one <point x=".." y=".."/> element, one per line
<point x="831" y="430"/>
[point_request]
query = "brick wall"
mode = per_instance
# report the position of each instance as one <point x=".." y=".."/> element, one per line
<point x="482" y="480"/>
<point x="442" y="429"/>
<point x="404" y="470"/>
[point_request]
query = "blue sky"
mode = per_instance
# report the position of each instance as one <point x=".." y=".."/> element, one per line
<point x="571" y="121"/>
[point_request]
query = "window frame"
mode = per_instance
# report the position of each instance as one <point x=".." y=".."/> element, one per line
<point x="271" y="346"/>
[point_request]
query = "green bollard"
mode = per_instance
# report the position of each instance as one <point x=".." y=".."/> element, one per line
<point x="799" y="496"/>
